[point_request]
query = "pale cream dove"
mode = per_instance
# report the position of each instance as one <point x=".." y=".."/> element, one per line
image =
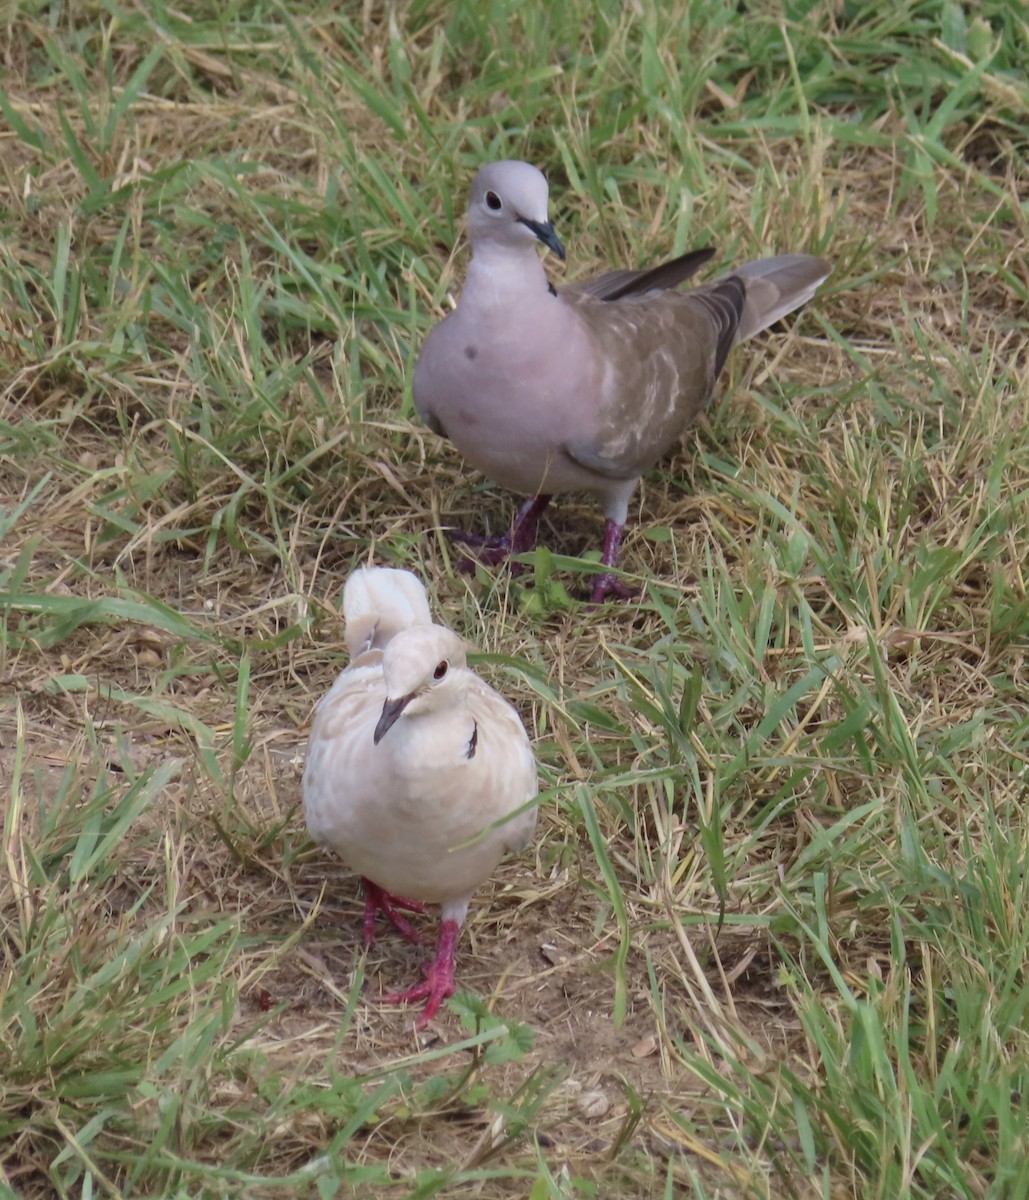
<point x="413" y="768"/>
<point x="585" y="387"/>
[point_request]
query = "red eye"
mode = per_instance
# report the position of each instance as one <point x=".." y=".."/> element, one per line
<point x="493" y="201"/>
<point x="441" y="669"/>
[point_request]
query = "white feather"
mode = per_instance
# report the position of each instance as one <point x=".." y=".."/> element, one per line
<point x="380" y="601"/>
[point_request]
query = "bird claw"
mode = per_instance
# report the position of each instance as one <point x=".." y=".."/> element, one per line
<point x="439" y="978"/>
<point x="433" y="991"/>
<point x="520" y="538"/>
<point x="490" y="551"/>
<point x="378" y="900"/>
<point x="609" y="586"/>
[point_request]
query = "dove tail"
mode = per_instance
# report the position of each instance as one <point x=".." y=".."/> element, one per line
<point x="380" y="601"/>
<point x="775" y="287"/>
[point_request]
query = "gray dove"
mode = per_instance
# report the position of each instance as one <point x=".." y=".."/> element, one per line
<point x="585" y="387"/>
<point x="418" y="774"/>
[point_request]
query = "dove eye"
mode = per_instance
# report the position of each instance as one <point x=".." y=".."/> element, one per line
<point x="441" y="670"/>
<point x="493" y="201"/>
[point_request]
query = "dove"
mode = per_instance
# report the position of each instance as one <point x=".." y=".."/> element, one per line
<point x="418" y="774"/>
<point x="584" y="387"/>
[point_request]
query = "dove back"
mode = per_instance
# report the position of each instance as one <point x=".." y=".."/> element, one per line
<point x="377" y="603"/>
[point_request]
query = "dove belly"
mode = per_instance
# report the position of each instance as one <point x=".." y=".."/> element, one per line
<point x="523" y="463"/>
<point x="506" y="409"/>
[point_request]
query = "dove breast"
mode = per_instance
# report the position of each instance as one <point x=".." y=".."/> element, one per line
<point x="413" y="813"/>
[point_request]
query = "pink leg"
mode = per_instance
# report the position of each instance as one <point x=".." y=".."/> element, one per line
<point x="439" y="977"/>
<point x="526" y="524"/>
<point x="607" y="584"/>
<point x="376" y="900"/>
<point x="520" y="537"/>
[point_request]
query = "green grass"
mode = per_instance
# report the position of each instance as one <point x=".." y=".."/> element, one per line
<point x="773" y="939"/>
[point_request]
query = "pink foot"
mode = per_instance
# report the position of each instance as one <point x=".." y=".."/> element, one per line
<point x="439" y="977"/>
<point x="609" y="584"/>
<point x="492" y="551"/>
<point x="376" y="900"/>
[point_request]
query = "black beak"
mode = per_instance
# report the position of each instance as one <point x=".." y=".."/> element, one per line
<point x="391" y="710"/>
<point x="544" y="230"/>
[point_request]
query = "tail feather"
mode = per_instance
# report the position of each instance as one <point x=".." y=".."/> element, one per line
<point x="775" y="287"/>
<point x="380" y="601"/>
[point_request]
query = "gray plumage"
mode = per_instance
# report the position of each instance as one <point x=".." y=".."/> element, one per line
<point x="587" y="386"/>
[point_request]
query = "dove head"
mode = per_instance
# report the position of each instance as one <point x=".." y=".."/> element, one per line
<point x="422" y="671"/>
<point x="508" y="207"/>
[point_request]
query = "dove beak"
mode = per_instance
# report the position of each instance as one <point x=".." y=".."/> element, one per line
<point x="391" y="711"/>
<point x="544" y="230"/>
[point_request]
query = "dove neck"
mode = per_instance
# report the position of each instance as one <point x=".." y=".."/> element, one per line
<point x="501" y="275"/>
